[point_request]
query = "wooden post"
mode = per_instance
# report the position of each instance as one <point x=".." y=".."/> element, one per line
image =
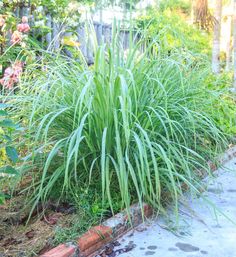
<point x="21" y="11"/>
<point x="82" y="39"/>
<point x="49" y="25"/>
<point x="99" y="34"/>
<point x="56" y="34"/>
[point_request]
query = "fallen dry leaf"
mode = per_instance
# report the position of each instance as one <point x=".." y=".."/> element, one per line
<point x="30" y="234"/>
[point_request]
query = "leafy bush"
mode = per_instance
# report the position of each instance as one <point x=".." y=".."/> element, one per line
<point x="176" y="5"/>
<point x="224" y="106"/>
<point x="8" y="153"/>
<point x="173" y="32"/>
<point x="133" y="125"/>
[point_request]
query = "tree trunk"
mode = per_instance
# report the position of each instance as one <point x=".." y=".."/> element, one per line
<point x="192" y="12"/>
<point x="228" y="43"/>
<point x="234" y="24"/>
<point x="201" y="14"/>
<point x="216" y="37"/>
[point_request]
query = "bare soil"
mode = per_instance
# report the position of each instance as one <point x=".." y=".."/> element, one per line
<point x="20" y="238"/>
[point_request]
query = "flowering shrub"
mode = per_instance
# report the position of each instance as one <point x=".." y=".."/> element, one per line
<point x="12" y="73"/>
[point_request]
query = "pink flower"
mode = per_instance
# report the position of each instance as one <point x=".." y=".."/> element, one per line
<point x="24" y="19"/>
<point x="12" y="75"/>
<point x="8" y="72"/>
<point x="2" y="21"/>
<point x="7" y="82"/>
<point x="16" y="37"/>
<point x="23" y="27"/>
<point x="18" y="67"/>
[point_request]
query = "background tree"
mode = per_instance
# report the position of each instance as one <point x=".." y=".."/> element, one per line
<point x="216" y="37"/>
<point x="202" y="15"/>
<point x="228" y="36"/>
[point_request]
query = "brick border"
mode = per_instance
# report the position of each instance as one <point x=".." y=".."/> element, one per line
<point x="97" y="237"/>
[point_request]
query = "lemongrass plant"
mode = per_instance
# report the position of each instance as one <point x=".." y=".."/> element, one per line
<point x="134" y="125"/>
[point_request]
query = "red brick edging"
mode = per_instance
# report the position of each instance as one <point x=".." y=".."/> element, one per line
<point x="98" y="236"/>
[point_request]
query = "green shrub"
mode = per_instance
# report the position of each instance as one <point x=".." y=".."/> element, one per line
<point x="176" y="5"/>
<point x="8" y="153"/>
<point x="173" y="32"/>
<point x="133" y="126"/>
<point x="224" y="106"/>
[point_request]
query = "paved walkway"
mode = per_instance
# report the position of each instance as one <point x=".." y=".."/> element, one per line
<point x="202" y="231"/>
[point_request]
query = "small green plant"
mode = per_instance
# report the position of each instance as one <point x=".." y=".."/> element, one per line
<point x="90" y="211"/>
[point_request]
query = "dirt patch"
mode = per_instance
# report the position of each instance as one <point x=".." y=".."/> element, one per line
<point x="21" y="239"/>
<point x="25" y="240"/>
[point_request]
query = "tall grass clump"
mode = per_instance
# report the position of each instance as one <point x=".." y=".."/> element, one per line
<point x="134" y="126"/>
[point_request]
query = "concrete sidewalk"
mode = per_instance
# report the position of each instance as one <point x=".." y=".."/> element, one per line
<point x="202" y="231"/>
